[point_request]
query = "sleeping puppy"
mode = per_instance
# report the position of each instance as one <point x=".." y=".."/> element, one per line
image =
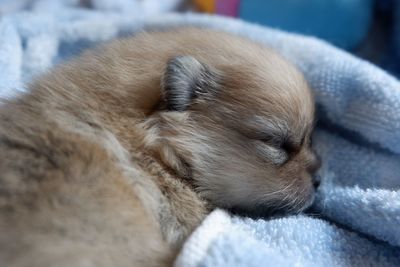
<point x="115" y="157"/>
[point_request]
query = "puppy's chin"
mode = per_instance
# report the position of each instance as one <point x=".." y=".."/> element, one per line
<point x="273" y="210"/>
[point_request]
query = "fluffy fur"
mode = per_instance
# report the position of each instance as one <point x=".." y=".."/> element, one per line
<point x="115" y="157"/>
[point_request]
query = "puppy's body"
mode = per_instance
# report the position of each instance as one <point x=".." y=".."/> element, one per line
<point x="115" y="157"/>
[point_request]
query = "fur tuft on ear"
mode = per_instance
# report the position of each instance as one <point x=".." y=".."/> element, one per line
<point x="185" y="79"/>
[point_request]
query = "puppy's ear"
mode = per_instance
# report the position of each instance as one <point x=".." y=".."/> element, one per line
<point x="186" y="79"/>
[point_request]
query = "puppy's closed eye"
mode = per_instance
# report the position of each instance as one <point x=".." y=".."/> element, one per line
<point x="279" y="148"/>
<point x="277" y="155"/>
<point x="290" y="147"/>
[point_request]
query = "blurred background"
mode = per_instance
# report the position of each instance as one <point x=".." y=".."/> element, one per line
<point x="369" y="29"/>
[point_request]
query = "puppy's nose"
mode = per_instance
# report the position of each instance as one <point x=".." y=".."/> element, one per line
<point x="316" y="181"/>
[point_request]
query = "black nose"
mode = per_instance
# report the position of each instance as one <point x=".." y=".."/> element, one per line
<point x="316" y="181"/>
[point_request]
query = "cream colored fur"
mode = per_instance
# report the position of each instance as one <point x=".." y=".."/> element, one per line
<point x="113" y="158"/>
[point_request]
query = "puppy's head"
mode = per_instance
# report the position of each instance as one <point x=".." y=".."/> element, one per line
<point x="240" y="132"/>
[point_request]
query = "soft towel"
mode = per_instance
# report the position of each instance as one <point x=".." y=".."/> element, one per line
<point x="358" y="135"/>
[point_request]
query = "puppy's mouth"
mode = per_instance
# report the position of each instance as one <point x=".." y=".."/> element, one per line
<point x="269" y="210"/>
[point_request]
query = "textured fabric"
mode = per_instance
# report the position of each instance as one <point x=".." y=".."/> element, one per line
<point x="293" y="241"/>
<point x="358" y="133"/>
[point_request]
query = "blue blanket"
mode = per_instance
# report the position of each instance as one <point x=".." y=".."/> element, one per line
<point x="356" y="217"/>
